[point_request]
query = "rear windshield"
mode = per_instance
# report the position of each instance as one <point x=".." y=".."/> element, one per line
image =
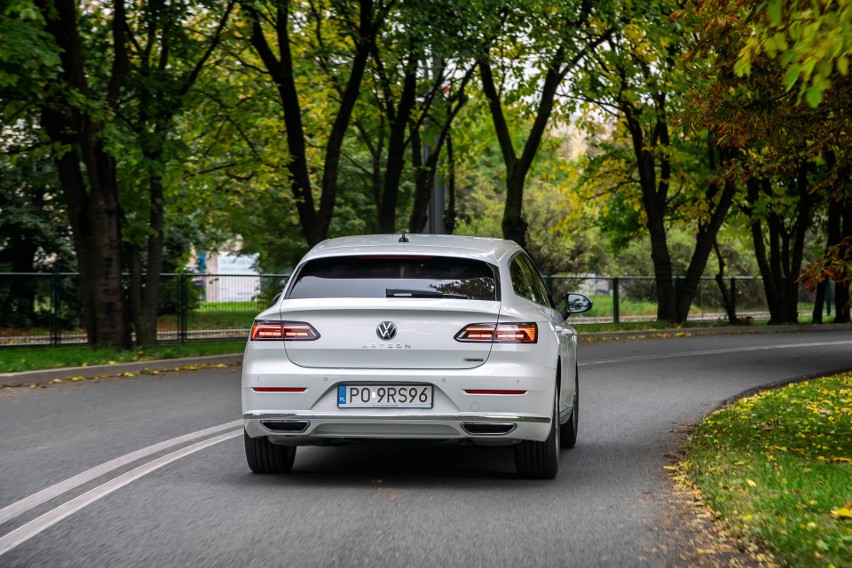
<point x="395" y="277"/>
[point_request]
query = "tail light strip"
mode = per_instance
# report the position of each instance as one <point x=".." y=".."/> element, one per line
<point x="491" y="391"/>
<point x="283" y="331"/>
<point x="526" y="332"/>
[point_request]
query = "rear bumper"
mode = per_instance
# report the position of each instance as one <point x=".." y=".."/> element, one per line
<point x="308" y="428"/>
<point x="507" y="399"/>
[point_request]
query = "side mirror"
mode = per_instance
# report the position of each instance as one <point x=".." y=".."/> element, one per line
<point x="576" y="304"/>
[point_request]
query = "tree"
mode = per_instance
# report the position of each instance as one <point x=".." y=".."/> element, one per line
<point x="76" y="110"/>
<point x="108" y="106"/>
<point x="760" y="53"/>
<point x="34" y="233"/>
<point x="354" y="27"/>
<point x="562" y="237"/>
<point x="171" y="45"/>
<point x="639" y="79"/>
<point x="416" y="83"/>
<point x="767" y="200"/>
<point x="550" y="41"/>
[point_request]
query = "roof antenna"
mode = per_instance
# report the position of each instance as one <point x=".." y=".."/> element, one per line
<point x="403" y="238"/>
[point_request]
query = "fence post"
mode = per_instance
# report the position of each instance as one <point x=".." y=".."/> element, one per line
<point x="734" y="295"/>
<point x="616" y="316"/>
<point x="55" y="339"/>
<point x="182" y="308"/>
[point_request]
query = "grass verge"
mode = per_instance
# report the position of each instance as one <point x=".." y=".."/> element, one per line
<point x="777" y="469"/>
<point x="15" y="359"/>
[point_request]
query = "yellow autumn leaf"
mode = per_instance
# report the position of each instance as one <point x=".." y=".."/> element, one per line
<point x="751" y="483"/>
<point x="842" y="513"/>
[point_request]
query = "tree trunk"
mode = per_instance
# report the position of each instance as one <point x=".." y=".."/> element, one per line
<point x="513" y="224"/>
<point x="727" y="295"/>
<point x="769" y="283"/>
<point x="786" y="249"/>
<point x="399" y="122"/>
<point x="517" y="167"/>
<point x="843" y="213"/>
<point x="704" y="244"/>
<point x="819" y="302"/>
<point x="450" y="213"/>
<point x="88" y="178"/>
<point x="146" y="325"/>
<point x="422" y="187"/>
<point x="654" y="198"/>
<point x="314" y="223"/>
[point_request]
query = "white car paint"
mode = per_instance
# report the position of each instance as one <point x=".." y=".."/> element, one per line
<point x="509" y="385"/>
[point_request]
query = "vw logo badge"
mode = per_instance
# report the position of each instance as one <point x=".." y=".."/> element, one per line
<point x="386" y="330"/>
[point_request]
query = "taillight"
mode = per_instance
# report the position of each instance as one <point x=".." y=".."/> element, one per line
<point x="499" y="333"/>
<point x="283" y="331"/>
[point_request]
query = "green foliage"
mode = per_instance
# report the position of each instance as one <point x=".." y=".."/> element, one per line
<point x="219" y="146"/>
<point x="811" y="41"/>
<point x="777" y="468"/>
<point x="21" y="32"/>
<point x="560" y="240"/>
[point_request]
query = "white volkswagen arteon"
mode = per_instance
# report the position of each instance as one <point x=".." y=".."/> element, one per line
<point x="418" y="337"/>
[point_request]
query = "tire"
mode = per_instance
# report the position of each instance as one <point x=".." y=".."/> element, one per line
<point x="265" y="457"/>
<point x="568" y="431"/>
<point x="540" y="460"/>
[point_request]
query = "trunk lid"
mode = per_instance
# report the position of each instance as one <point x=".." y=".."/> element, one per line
<point x="389" y="333"/>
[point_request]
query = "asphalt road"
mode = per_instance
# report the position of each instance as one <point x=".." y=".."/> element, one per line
<point x="193" y="502"/>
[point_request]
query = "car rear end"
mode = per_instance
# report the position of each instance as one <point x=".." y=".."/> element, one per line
<point x="369" y="344"/>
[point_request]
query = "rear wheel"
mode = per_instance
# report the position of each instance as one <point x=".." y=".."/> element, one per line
<point x="568" y="431"/>
<point x="265" y="457"/>
<point x="540" y="460"/>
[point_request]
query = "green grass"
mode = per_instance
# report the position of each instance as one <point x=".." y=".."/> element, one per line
<point x="15" y="359"/>
<point x="216" y="315"/>
<point x="777" y="469"/>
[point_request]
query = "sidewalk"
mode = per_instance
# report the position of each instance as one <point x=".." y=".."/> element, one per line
<point x="28" y="378"/>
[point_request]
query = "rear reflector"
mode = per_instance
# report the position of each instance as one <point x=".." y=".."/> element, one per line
<point x="283" y="330"/>
<point x="488" y="391"/>
<point x="499" y="333"/>
<point x="279" y="389"/>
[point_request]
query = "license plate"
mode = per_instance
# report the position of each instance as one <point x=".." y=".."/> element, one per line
<point x="384" y="396"/>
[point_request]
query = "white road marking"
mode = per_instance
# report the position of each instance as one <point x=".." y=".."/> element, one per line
<point x="717" y="352"/>
<point x="47" y="520"/>
<point x="19" y="507"/>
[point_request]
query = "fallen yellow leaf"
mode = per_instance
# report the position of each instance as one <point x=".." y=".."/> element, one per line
<point x="842" y="513"/>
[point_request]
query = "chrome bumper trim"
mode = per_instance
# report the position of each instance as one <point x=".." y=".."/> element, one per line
<point x="399" y="417"/>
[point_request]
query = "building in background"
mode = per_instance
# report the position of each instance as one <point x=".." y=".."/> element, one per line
<point x="228" y="277"/>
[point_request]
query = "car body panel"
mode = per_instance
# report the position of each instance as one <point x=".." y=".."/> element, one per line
<point x="424" y="338"/>
<point x="490" y="384"/>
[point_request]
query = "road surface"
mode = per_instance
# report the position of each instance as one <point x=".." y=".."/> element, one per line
<point x="150" y="471"/>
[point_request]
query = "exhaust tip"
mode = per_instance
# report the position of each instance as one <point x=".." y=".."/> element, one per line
<point x="286" y="426"/>
<point x="488" y="428"/>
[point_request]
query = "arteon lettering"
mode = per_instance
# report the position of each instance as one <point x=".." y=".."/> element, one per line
<point x="386" y="346"/>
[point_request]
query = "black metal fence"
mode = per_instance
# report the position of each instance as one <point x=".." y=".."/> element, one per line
<point x="44" y="309"/>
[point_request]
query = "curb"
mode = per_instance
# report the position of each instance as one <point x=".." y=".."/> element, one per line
<point x="48" y="375"/>
<point x="697" y="332"/>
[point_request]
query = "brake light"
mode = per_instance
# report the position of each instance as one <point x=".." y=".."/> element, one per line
<point x="499" y="333"/>
<point x="283" y="331"/>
